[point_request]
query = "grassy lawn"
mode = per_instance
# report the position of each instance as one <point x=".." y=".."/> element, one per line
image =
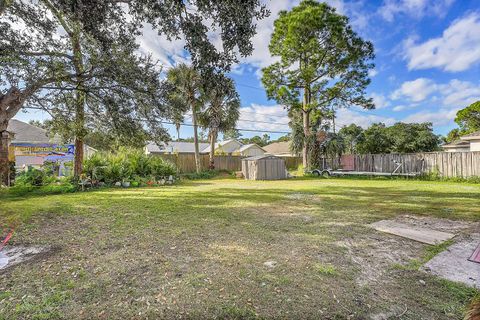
<point x="198" y="250"/>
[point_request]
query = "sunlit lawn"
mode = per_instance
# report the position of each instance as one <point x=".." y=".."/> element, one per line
<point x="197" y="250"/>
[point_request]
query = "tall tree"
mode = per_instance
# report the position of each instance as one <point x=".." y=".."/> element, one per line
<point x="352" y="135"/>
<point x="221" y="111"/>
<point x="187" y="95"/>
<point x="323" y="63"/>
<point x="413" y="137"/>
<point x="375" y="140"/>
<point x="469" y="118"/>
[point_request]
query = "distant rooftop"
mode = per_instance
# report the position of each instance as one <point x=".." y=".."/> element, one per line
<point x="472" y="136"/>
<point x="26" y="133"/>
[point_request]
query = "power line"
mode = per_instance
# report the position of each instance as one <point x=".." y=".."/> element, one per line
<point x="257" y="121"/>
<point x="263" y="114"/>
<point x="249" y="86"/>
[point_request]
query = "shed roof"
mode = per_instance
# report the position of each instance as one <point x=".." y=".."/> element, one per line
<point x="262" y="156"/>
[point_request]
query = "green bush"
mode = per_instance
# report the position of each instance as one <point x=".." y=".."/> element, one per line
<point x="34" y="177"/>
<point x="127" y="165"/>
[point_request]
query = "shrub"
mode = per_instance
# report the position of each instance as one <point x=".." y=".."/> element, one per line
<point x="127" y="165"/>
<point x="34" y="177"/>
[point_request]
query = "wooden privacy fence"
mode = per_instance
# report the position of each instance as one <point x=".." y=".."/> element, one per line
<point x="446" y="164"/>
<point x="185" y="162"/>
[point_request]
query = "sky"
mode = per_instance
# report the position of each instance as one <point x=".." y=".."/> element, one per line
<point x="427" y="64"/>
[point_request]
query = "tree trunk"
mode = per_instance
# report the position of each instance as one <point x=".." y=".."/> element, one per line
<point x="213" y="139"/>
<point x="177" y="126"/>
<point x="306" y="126"/>
<point x="80" y="100"/>
<point x="4" y="163"/>
<point x="195" y="140"/>
<point x="306" y="131"/>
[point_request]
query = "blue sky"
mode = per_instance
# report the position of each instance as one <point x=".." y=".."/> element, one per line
<point x="427" y="63"/>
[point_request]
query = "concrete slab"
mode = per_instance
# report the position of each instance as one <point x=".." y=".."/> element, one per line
<point x="414" y="232"/>
<point x="452" y="264"/>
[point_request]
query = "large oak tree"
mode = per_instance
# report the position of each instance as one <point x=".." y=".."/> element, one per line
<point x="45" y="45"/>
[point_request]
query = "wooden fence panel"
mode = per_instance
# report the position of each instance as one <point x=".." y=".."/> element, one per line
<point x="185" y="162"/>
<point x="446" y="164"/>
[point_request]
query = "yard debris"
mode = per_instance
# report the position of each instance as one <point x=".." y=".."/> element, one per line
<point x="270" y="264"/>
<point x="410" y="231"/>
<point x="19" y="254"/>
<point x="3" y="260"/>
<point x="475" y="257"/>
<point x="453" y="264"/>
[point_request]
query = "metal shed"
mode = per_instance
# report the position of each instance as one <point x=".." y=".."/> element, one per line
<point x="264" y="167"/>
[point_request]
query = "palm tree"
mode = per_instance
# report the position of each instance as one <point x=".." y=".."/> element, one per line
<point x="221" y="111"/>
<point x="187" y="95"/>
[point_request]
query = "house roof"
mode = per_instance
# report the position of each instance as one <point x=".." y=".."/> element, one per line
<point x="220" y="144"/>
<point x="282" y="147"/>
<point x="175" y="146"/>
<point x="457" y="144"/>
<point x="472" y="136"/>
<point x="25" y="132"/>
<point x="248" y="146"/>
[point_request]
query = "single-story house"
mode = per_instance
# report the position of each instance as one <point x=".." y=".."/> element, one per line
<point x="457" y="146"/>
<point x="32" y="146"/>
<point x="280" y="149"/>
<point x="227" y="147"/>
<point x="469" y="142"/>
<point x="473" y="139"/>
<point x="249" y="150"/>
<point x="173" y="147"/>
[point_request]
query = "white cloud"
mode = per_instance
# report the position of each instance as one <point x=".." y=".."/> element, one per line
<point x="372" y="73"/>
<point x="413" y="8"/>
<point x="261" y="55"/>
<point x="161" y="48"/>
<point x="262" y="117"/>
<point x="438" y="118"/>
<point x="439" y="102"/>
<point x="399" y="108"/>
<point x="416" y="90"/>
<point x="348" y="116"/>
<point x="456" y="50"/>
<point x="380" y="100"/>
<point x="459" y="94"/>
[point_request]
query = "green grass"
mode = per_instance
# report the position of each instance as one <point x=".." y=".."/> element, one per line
<point x="197" y="250"/>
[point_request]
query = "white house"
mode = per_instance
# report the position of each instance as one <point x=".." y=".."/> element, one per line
<point x="473" y="139"/>
<point x="249" y="150"/>
<point x="469" y="142"/>
<point x="226" y="147"/>
<point x="457" y="146"/>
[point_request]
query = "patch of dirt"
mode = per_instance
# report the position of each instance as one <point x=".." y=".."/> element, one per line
<point x="374" y="255"/>
<point x="21" y="254"/>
